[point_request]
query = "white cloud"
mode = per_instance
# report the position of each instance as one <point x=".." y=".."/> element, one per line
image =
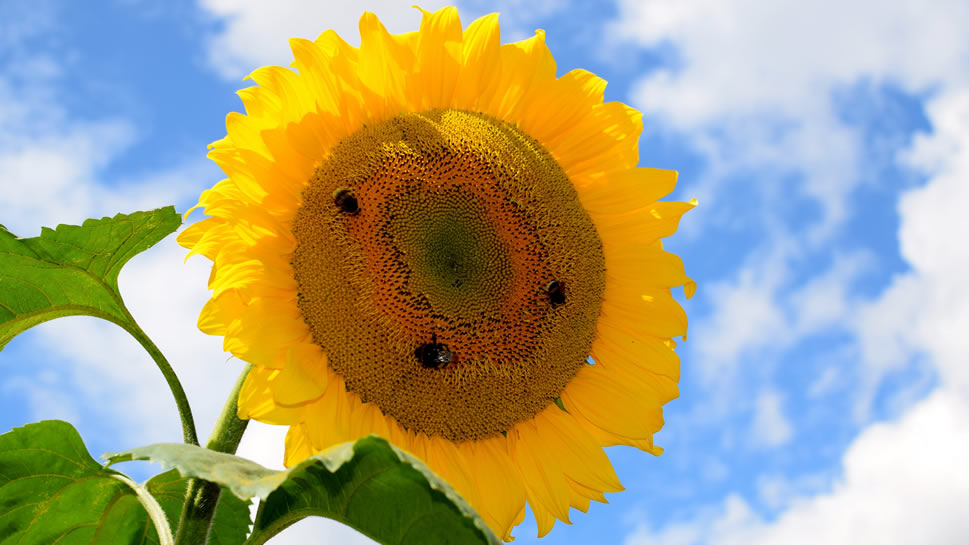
<point x="745" y="317"/>
<point x="926" y="310"/>
<point x="57" y="178"/>
<point x="756" y="310"/>
<point x="771" y="428"/>
<point x="826" y="382"/>
<point x="52" y="165"/>
<point x="904" y="482"/>
<point x="23" y="19"/>
<point x="257" y="33"/>
<point x="828" y="298"/>
<point x="753" y="83"/>
<point x="519" y="18"/>
<point x="782" y="56"/>
<point x="753" y="87"/>
<point x="44" y="394"/>
<point x="778" y="491"/>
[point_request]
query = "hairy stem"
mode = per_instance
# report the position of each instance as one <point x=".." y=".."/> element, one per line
<point x="202" y="496"/>
<point x="181" y="400"/>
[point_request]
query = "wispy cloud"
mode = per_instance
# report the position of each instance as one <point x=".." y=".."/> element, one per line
<point x="53" y="163"/>
<point x="251" y="33"/>
<point x="904" y="482"/>
<point x="254" y="33"/>
<point x="753" y="87"/>
<point x="753" y="83"/>
<point x="771" y="427"/>
<point x="927" y="309"/>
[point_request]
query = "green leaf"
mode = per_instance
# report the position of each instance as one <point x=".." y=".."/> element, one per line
<point x="73" y="270"/>
<point x="52" y="491"/>
<point x="370" y="485"/>
<point x="231" y="522"/>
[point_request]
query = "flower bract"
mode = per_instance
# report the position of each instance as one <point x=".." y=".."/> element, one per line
<point x="434" y="238"/>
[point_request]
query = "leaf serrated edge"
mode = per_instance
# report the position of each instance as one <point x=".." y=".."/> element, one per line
<point x="332" y="459"/>
<point x="438" y="483"/>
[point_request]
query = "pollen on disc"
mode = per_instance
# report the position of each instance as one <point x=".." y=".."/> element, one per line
<point x="427" y="246"/>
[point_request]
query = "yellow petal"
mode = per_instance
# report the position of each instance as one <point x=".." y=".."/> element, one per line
<point x="265" y="342"/>
<point x="310" y="61"/>
<point x="366" y="418"/>
<point x="479" y="76"/>
<point x="445" y="459"/>
<point x="298" y="447"/>
<point x="605" y="141"/>
<point x="499" y="487"/>
<point x="219" y="312"/>
<point x="438" y="53"/>
<point x="612" y="406"/>
<point x="545" y="485"/>
<point x="624" y="191"/>
<point x="330" y="416"/>
<point x="646" y="352"/>
<point x="525" y="64"/>
<point x="581" y="458"/>
<point x="384" y="61"/>
<point x="653" y="310"/>
<point x="555" y="106"/>
<point x="304" y="378"/>
<point x="256" y="399"/>
<point x="644" y="226"/>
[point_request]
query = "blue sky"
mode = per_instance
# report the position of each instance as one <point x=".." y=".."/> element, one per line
<point x="825" y="379"/>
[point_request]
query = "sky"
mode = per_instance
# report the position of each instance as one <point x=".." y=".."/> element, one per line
<point x="825" y="382"/>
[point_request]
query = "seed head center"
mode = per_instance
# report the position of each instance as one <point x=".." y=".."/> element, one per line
<point x="449" y="271"/>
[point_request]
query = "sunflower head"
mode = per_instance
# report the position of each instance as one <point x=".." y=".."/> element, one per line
<point x="434" y="238"/>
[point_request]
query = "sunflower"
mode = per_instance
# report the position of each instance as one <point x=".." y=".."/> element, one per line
<point x="434" y="239"/>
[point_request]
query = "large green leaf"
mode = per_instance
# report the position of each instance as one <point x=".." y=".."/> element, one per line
<point x="369" y="485"/>
<point x="73" y="270"/>
<point x="231" y="522"/>
<point x="52" y="491"/>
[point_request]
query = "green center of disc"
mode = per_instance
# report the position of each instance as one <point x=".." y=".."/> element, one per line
<point x="456" y="259"/>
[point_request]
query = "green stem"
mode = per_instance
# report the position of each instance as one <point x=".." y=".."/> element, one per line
<point x="229" y="427"/>
<point x="202" y="497"/>
<point x="155" y="512"/>
<point x="181" y="400"/>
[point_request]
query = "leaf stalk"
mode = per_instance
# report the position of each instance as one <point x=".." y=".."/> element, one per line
<point x="181" y="400"/>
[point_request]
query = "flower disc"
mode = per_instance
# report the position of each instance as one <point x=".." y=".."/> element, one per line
<point x="459" y="288"/>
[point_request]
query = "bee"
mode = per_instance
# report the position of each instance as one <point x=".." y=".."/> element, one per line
<point x="434" y="355"/>
<point x="556" y="293"/>
<point x="346" y="201"/>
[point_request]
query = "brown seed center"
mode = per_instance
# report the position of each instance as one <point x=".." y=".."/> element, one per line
<point x="449" y="271"/>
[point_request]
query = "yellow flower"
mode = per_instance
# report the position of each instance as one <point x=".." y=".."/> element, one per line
<point x="432" y="238"/>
